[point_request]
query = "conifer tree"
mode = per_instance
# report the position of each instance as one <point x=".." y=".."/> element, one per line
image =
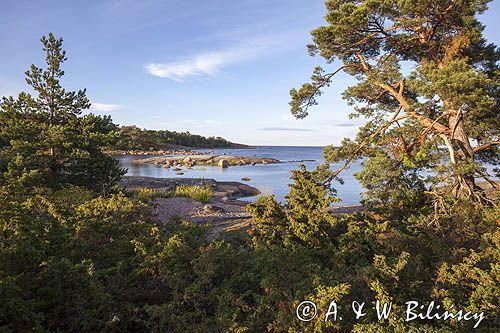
<point x="47" y="141"/>
<point x="427" y="83"/>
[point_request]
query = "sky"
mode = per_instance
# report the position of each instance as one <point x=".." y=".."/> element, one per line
<point x="210" y="67"/>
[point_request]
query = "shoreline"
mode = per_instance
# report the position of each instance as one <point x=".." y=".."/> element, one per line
<point x="191" y="160"/>
<point x="223" y="214"/>
<point x="223" y="191"/>
<point x="220" y="189"/>
<point x="181" y="150"/>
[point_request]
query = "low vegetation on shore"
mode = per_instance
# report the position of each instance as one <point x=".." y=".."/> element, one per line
<point x="198" y="193"/>
<point x="147" y="194"/>
<point x="195" y="192"/>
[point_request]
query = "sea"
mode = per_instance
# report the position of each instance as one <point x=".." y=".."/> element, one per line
<point x="268" y="178"/>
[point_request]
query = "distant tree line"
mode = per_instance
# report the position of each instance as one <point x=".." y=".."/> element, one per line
<point x="135" y="138"/>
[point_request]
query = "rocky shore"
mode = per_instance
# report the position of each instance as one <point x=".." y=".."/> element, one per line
<point x="222" y="214"/>
<point x="225" y="191"/>
<point x="190" y="160"/>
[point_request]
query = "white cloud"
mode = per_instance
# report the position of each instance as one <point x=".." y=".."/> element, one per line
<point x="206" y="64"/>
<point x="209" y="63"/>
<point x="101" y="107"/>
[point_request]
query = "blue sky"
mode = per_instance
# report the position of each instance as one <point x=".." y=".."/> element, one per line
<point x="212" y="67"/>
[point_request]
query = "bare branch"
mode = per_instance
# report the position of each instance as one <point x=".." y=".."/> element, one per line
<point x="408" y="110"/>
<point x="309" y="99"/>
<point x="486" y="146"/>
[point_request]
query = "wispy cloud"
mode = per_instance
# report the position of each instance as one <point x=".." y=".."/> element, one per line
<point x="210" y="63"/>
<point x="101" y="107"/>
<point x="288" y="129"/>
<point x="205" y="64"/>
<point x="346" y="125"/>
<point x="107" y="8"/>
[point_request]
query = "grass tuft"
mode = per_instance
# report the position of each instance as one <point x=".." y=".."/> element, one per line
<point x="148" y="194"/>
<point x="197" y="193"/>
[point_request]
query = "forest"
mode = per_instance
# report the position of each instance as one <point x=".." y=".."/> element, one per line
<point x="135" y="138"/>
<point x="78" y="253"/>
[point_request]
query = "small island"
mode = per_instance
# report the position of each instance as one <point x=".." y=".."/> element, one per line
<point x="190" y="160"/>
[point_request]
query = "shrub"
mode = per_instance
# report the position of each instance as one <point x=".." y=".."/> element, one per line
<point x="261" y="199"/>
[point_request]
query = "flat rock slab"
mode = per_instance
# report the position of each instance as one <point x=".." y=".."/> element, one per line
<point x="232" y="190"/>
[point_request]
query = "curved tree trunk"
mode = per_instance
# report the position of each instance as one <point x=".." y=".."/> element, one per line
<point x="460" y="150"/>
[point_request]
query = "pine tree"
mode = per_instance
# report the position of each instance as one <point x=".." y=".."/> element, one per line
<point x="47" y="141"/>
<point x="427" y="82"/>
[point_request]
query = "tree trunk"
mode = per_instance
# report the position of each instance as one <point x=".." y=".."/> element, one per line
<point x="460" y="149"/>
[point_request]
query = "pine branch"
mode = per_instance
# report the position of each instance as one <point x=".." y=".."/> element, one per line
<point x="486" y="146"/>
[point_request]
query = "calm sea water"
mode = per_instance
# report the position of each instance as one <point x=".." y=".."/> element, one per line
<point x="269" y="178"/>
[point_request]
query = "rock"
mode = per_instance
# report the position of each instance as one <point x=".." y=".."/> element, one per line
<point x="246" y="190"/>
<point x="246" y="179"/>
<point x="224" y="199"/>
<point x="204" y="159"/>
<point x="176" y="169"/>
<point x="179" y="173"/>
<point x="230" y="190"/>
<point x="223" y="164"/>
<point x="212" y="209"/>
<point x="166" y="166"/>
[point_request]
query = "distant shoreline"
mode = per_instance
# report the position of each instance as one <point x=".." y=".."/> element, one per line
<point x="182" y="150"/>
<point x="173" y="151"/>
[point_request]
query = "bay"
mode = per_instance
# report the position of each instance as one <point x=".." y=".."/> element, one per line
<point x="268" y="178"/>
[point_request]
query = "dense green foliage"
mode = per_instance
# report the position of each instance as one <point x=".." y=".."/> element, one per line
<point x="74" y="261"/>
<point x="368" y="257"/>
<point x="135" y="138"/>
